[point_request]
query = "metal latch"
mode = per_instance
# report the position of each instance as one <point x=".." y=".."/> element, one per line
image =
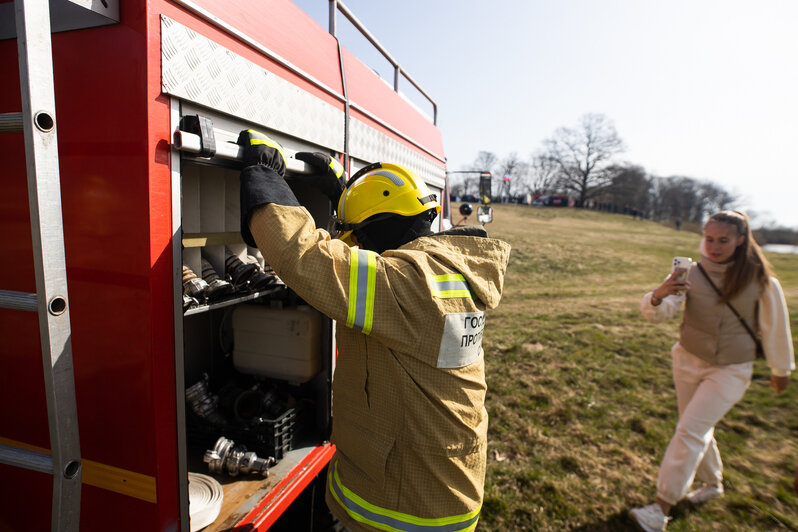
<point x="202" y="127"/>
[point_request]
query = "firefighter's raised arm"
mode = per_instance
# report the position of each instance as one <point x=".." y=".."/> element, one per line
<point x="262" y="178"/>
<point x="315" y="266"/>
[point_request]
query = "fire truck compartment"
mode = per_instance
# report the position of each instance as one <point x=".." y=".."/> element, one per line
<point x="256" y="366"/>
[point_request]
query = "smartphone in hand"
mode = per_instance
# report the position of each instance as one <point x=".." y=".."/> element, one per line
<point x="680" y="268"/>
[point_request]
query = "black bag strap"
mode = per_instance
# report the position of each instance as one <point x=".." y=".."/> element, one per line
<point x="734" y="310"/>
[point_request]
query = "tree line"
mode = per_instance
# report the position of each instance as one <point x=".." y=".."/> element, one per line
<point x="582" y="162"/>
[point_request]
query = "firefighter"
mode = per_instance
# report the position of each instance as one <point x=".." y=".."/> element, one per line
<point x="409" y="425"/>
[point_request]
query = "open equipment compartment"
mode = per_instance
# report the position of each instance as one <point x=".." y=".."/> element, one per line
<point x="271" y="392"/>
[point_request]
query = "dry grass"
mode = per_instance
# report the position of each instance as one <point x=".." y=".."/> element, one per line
<point x="580" y="392"/>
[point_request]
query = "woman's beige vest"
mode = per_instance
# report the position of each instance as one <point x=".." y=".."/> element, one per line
<point x="709" y="329"/>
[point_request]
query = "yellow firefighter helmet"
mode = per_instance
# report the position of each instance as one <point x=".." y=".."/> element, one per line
<point x="381" y="188"/>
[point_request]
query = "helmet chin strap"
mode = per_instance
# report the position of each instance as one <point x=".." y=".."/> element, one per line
<point x="393" y="231"/>
<point x="342" y="226"/>
<point x="420" y="226"/>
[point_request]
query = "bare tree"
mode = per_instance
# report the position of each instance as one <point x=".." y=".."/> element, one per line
<point x="681" y="199"/>
<point x="630" y="189"/>
<point x="457" y="189"/>
<point x="470" y="184"/>
<point x="520" y="179"/>
<point x="543" y="172"/>
<point x="685" y="198"/>
<point x="486" y="160"/>
<point x="464" y="182"/>
<point x="715" y="198"/>
<point x="514" y="168"/>
<point x="583" y="155"/>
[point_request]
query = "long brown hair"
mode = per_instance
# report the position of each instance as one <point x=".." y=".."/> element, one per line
<point x="748" y="262"/>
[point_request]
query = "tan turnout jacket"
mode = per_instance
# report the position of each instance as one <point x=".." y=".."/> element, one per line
<point x="409" y="420"/>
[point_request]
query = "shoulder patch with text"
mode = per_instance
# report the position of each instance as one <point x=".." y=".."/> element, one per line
<point x="461" y="343"/>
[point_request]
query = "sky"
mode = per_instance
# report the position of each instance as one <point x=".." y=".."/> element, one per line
<point x="706" y="89"/>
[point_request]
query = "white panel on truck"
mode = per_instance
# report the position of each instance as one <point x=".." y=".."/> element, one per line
<point x="201" y="71"/>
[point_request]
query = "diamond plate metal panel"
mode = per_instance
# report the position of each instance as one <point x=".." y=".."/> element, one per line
<point x="197" y="69"/>
<point x="368" y="144"/>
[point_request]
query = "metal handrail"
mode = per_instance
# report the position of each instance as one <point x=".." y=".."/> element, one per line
<point x="337" y="5"/>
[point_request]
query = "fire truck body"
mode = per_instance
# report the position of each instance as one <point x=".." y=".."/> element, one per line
<point x="138" y="203"/>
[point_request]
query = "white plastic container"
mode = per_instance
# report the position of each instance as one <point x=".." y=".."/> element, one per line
<point x="277" y="343"/>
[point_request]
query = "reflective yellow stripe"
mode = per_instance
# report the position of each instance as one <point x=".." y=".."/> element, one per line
<point x="263" y="139"/>
<point x="451" y="285"/>
<point x="372" y="273"/>
<point x="119" y="480"/>
<point x="362" y="283"/>
<point x="383" y="519"/>
<point x="449" y="277"/>
<point x="336" y="167"/>
<point x="105" y="476"/>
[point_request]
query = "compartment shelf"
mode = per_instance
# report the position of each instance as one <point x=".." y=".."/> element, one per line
<point x="231" y="301"/>
<point x="199" y="240"/>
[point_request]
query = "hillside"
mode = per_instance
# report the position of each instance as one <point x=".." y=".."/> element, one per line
<point x="580" y="392"/>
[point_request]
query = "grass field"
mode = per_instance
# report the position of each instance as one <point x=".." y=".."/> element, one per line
<point x="580" y="394"/>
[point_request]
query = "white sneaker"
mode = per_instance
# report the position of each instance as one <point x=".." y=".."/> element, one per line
<point x="705" y="493"/>
<point x="649" y="518"/>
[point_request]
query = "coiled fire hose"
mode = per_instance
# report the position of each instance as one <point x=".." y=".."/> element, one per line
<point x="204" y="500"/>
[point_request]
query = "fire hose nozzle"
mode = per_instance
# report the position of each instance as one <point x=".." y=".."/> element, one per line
<point x="226" y="457"/>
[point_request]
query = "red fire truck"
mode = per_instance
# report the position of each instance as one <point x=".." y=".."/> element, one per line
<point x="120" y="172"/>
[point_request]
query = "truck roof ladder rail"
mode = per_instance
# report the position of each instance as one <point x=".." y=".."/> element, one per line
<point x="37" y="121"/>
<point x="398" y="71"/>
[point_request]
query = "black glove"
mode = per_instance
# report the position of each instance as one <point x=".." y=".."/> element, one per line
<point x="329" y="176"/>
<point x="260" y="149"/>
<point x="262" y="177"/>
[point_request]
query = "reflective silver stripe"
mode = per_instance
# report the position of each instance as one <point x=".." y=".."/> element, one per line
<point x="398" y="181"/>
<point x="362" y="281"/>
<point x="383" y="519"/>
<point x="451" y="286"/>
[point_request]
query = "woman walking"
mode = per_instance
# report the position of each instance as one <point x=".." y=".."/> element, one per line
<point x="728" y="296"/>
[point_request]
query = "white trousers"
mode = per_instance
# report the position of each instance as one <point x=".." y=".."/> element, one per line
<point x="704" y="393"/>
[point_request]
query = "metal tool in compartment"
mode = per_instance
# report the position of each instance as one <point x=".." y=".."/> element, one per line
<point x="203" y="403"/>
<point x="227" y="457"/>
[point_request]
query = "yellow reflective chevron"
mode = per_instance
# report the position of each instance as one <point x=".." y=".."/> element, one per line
<point x="450" y="285"/>
<point x="263" y="139"/>
<point x="384" y="519"/>
<point x="362" y="282"/>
